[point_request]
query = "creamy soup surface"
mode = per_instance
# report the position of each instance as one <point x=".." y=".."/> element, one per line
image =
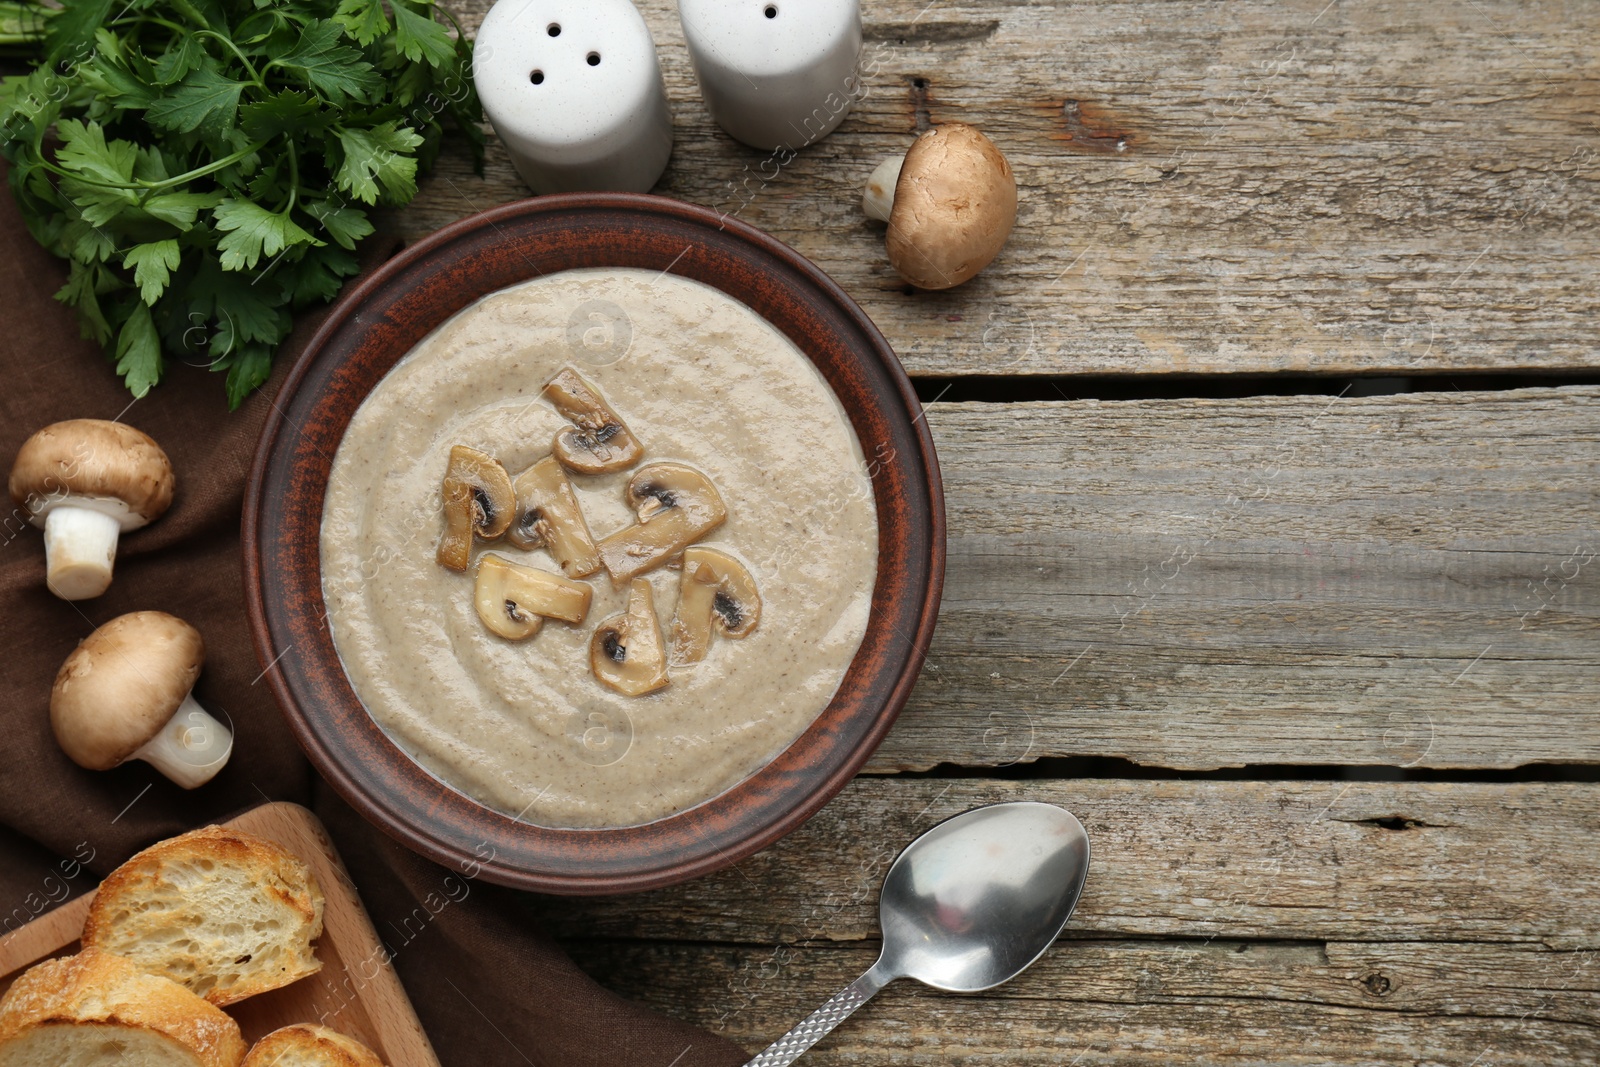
<point x="524" y="727"/>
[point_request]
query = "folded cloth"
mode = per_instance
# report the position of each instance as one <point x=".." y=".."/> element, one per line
<point x="62" y="827"/>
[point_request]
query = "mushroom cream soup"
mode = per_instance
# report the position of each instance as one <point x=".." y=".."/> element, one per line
<point x="525" y="726"/>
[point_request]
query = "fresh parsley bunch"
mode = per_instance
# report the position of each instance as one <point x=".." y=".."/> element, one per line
<point x="206" y="165"/>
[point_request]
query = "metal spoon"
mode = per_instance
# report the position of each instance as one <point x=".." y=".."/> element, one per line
<point x="968" y="905"/>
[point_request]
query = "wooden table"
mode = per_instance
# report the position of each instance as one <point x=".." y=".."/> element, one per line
<point x="1270" y="444"/>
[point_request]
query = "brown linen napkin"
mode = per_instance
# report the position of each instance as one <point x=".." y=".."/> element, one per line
<point x="488" y="987"/>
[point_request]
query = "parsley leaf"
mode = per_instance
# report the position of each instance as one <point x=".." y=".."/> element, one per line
<point x="116" y="83"/>
<point x="379" y="153"/>
<point x="204" y="96"/>
<point x="180" y="209"/>
<point x="320" y="272"/>
<point x="335" y="69"/>
<point x="152" y="266"/>
<point x="252" y="232"/>
<point x="95" y="173"/>
<point x="86" y="151"/>
<point x="247" y="370"/>
<point x="86" y="242"/>
<point x="345" y="224"/>
<point x="82" y="280"/>
<point x="419" y="37"/>
<point x="241" y="311"/>
<point x="139" y="352"/>
<point x="290" y="111"/>
<point x="71" y="33"/>
<point x="363" y="20"/>
<point x="180" y="60"/>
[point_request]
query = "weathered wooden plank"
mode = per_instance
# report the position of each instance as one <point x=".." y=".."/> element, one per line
<point x="1406" y="580"/>
<point x="1205" y="187"/>
<point x="1141" y="1002"/>
<point x="1301" y="861"/>
<point x="1241" y="922"/>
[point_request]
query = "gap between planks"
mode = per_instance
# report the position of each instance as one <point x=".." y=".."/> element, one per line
<point x="1406" y="581"/>
<point x="1296" y="861"/>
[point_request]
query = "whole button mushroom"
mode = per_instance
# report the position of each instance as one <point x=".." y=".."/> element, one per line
<point x="950" y="204"/>
<point x="86" y="482"/>
<point x="124" y="693"/>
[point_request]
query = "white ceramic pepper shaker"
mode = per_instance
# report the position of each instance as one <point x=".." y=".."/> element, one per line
<point x="775" y="73"/>
<point x="574" y="90"/>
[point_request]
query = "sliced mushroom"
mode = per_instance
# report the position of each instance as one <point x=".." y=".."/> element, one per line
<point x="626" y="652"/>
<point x="548" y="516"/>
<point x="715" y="592"/>
<point x="513" y="601"/>
<point x="477" y="500"/>
<point x="597" y="442"/>
<point x="677" y="506"/>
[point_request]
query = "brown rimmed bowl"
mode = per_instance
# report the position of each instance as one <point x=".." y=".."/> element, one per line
<point x="377" y="323"/>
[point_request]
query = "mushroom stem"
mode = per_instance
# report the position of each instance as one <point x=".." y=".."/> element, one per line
<point x="80" y="545"/>
<point x="877" y="200"/>
<point x="191" y="748"/>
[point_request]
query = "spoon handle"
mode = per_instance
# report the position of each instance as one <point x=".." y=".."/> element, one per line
<point x="821" y="1022"/>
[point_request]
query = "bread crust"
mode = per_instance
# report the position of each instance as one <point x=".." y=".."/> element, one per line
<point x="276" y="872"/>
<point x="98" y="988"/>
<point x="310" y="1045"/>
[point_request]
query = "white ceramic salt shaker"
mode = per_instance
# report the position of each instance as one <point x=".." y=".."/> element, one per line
<point x="775" y="73"/>
<point x="574" y="90"/>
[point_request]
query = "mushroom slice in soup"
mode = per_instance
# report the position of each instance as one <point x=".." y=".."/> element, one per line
<point x="626" y="652"/>
<point x="676" y="505"/>
<point x="548" y="516"/>
<point x="513" y="601"/>
<point x="478" y="500"/>
<point x="598" y="441"/>
<point x="715" y="593"/>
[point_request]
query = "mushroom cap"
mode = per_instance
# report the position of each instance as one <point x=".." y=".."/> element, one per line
<point x="121" y="685"/>
<point x="954" y="205"/>
<point x="96" y="459"/>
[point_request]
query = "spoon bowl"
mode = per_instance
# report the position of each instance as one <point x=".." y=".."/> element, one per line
<point x="975" y="900"/>
<point x="968" y="905"/>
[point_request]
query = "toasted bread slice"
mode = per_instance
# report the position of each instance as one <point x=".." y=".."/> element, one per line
<point x="310" y="1045"/>
<point x="95" y="1008"/>
<point x="220" y="911"/>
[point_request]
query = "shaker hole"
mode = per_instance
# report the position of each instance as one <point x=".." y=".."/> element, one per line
<point x="594" y="59"/>
<point x="554" y="29"/>
<point x="771" y="11"/>
<point x="537" y="77"/>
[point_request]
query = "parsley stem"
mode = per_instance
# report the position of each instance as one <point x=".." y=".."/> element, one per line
<point x="139" y="185"/>
<point x="461" y="34"/>
<point x="189" y="11"/>
<point x="210" y="168"/>
<point x="254" y="76"/>
<point x="294" y="178"/>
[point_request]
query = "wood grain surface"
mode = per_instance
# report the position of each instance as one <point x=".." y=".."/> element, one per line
<point x="1223" y="922"/>
<point x="1205" y="187"/>
<point x="355" y="992"/>
<point x="1408" y="580"/>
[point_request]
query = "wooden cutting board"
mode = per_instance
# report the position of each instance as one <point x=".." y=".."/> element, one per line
<point x="356" y="991"/>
